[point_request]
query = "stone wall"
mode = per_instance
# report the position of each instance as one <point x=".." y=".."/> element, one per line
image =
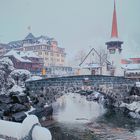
<point x="110" y="86"/>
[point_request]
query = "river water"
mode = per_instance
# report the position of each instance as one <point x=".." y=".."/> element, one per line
<point x="75" y="118"/>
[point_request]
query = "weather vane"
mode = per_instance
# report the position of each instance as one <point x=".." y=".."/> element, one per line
<point x="29" y="29"/>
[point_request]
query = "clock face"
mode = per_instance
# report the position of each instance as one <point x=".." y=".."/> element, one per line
<point x="112" y="51"/>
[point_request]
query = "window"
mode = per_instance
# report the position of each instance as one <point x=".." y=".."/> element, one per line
<point x="46" y="53"/>
<point x="40" y="53"/>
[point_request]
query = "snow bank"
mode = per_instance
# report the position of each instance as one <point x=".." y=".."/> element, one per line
<point x="40" y="133"/>
<point x="27" y="124"/>
<point x="20" y="130"/>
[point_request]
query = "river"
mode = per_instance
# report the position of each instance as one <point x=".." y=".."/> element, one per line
<point x="75" y="118"/>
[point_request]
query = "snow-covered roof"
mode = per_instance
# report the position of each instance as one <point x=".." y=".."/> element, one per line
<point x="29" y="36"/>
<point x="15" y="44"/>
<point x="115" y="39"/>
<point x="16" y="54"/>
<point x="131" y="66"/>
<point x="29" y="54"/>
<point x="92" y="65"/>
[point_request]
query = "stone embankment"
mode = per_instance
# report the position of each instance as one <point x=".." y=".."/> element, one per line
<point x="15" y="100"/>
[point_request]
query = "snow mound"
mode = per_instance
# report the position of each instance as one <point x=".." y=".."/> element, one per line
<point x="40" y="133"/>
<point x="27" y="124"/>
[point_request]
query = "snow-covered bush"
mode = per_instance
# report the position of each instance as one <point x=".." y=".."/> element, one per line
<point x="20" y="76"/>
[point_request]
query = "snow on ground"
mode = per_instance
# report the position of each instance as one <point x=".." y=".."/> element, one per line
<point x="135" y="106"/>
<point x="33" y="78"/>
<point x="10" y="129"/>
<point x="31" y="109"/>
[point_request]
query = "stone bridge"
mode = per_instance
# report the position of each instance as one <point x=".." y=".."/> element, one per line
<point x="110" y="86"/>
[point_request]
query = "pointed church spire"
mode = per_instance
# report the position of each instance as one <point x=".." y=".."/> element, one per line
<point x="114" y="33"/>
<point x="114" y="43"/>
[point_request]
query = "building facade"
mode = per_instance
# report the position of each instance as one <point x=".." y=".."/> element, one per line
<point x="47" y="48"/>
<point x="131" y="67"/>
<point x="48" y="58"/>
<point x="26" y="60"/>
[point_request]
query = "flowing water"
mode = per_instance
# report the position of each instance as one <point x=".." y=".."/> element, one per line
<point x="78" y="119"/>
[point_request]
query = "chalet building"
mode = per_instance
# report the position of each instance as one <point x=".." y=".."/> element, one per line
<point x="131" y="67"/>
<point x="26" y="60"/>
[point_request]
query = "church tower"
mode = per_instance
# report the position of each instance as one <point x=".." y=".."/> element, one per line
<point x="114" y="46"/>
<point x="114" y="43"/>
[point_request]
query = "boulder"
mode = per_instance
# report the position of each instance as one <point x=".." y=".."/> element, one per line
<point x="5" y="99"/>
<point x="18" y="107"/>
<point x="1" y="114"/>
<point x="5" y="108"/>
<point x="18" y="117"/>
<point x="20" y="99"/>
<point x="42" y="112"/>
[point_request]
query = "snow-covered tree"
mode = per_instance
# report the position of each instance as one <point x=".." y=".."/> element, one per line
<point x="6" y="65"/>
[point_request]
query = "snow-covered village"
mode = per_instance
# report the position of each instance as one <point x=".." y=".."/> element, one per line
<point x="69" y="70"/>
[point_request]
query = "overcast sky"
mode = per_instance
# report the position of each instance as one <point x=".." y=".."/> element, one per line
<point x="76" y="24"/>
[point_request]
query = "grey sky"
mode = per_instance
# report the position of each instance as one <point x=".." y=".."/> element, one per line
<point x="76" y="24"/>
